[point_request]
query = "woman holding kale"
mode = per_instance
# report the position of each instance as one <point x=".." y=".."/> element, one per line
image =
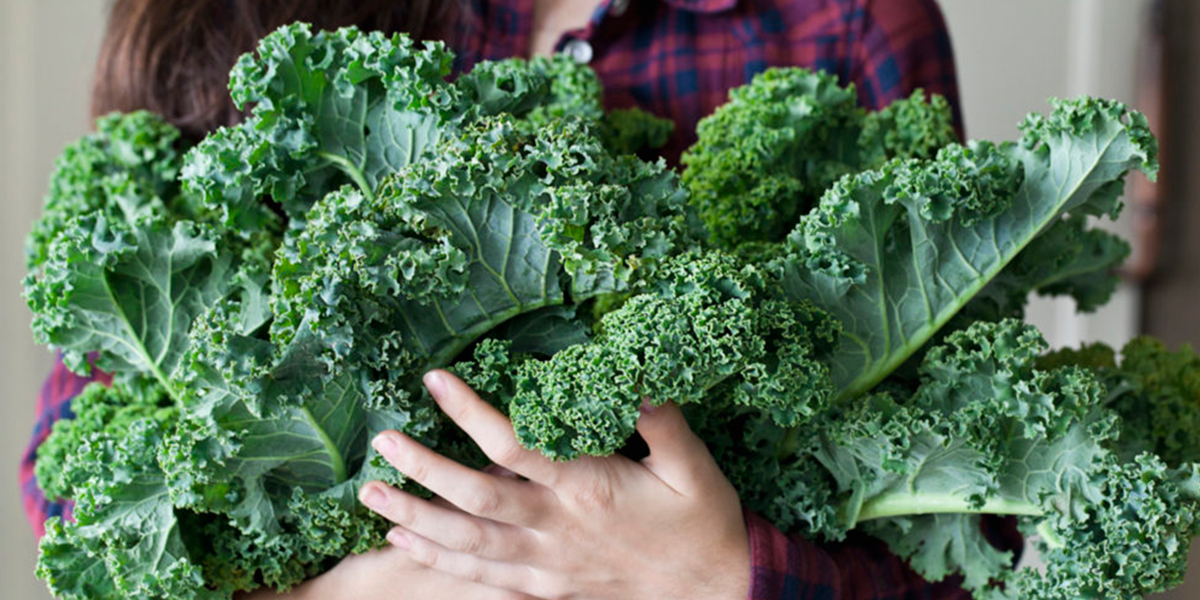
<point x="669" y="525"/>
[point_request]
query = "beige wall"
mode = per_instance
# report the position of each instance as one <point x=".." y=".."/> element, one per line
<point x="47" y="48"/>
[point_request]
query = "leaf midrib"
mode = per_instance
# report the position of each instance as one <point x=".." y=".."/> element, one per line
<point x="877" y="372"/>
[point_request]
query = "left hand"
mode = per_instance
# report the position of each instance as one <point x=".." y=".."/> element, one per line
<point x="669" y="526"/>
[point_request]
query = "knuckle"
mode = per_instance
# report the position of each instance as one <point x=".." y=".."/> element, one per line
<point x="425" y="556"/>
<point x="521" y="543"/>
<point x="485" y="501"/>
<point x="475" y="543"/>
<point x="473" y="574"/>
<point x="594" y="496"/>
<point x="458" y="409"/>
<point x="416" y="470"/>
<point x="508" y="454"/>
<point x="404" y="512"/>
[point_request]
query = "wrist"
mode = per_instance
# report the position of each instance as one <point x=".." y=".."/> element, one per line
<point x="736" y="581"/>
<point x="734" y="585"/>
<point x="730" y="574"/>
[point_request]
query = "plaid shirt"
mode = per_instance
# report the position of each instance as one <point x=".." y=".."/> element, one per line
<point x="859" y="568"/>
<point x="679" y="59"/>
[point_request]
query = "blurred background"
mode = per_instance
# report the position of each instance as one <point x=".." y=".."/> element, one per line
<point x="1012" y="55"/>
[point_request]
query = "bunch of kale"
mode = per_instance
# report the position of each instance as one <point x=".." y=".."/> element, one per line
<point x="268" y="299"/>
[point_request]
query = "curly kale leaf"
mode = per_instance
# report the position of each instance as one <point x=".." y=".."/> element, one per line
<point x="762" y="461"/>
<point x="570" y="90"/>
<point x="123" y="261"/>
<point x="913" y="127"/>
<point x="981" y="410"/>
<point x="128" y="293"/>
<point x="766" y="157"/>
<point x="705" y="320"/>
<point x="278" y="452"/>
<point x="985" y="432"/>
<point x="1155" y="391"/>
<point x="1134" y="543"/>
<point x="126" y="170"/>
<point x="896" y="253"/>
<point x="988" y="431"/>
<point x="126" y="540"/>
<point x="102" y="414"/>
<point x="631" y="131"/>
<point x="526" y="89"/>
<point x="493" y="226"/>
<point x="328" y="108"/>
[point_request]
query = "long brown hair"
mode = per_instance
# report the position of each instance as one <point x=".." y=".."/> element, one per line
<point x="173" y="57"/>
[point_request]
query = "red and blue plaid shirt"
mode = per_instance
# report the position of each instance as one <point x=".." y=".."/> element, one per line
<point x="679" y="59"/>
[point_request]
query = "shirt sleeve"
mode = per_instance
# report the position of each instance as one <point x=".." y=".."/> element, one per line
<point x="53" y="404"/>
<point x="903" y="45"/>
<point x="859" y="568"/>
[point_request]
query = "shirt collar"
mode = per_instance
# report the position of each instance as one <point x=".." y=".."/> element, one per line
<point x="703" y="6"/>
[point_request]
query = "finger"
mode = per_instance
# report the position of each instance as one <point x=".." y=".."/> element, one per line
<point x="449" y="528"/>
<point x="508" y="576"/>
<point x="496" y="498"/>
<point x="677" y="456"/>
<point x="492" y="431"/>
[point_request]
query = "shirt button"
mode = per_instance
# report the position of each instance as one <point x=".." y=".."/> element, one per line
<point x="579" y="50"/>
<point x="618" y="7"/>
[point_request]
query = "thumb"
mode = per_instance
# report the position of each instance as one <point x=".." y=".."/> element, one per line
<point x="677" y="456"/>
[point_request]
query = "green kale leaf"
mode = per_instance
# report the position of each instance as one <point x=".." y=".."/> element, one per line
<point x="895" y="253"/>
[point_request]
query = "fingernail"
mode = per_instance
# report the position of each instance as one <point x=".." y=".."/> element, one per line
<point x="435" y="383"/>
<point x="398" y="539"/>
<point x="373" y="497"/>
<point x="386" y="444"/>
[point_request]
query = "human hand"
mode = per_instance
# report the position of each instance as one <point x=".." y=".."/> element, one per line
<point x="386" y="574"/>
<point x="670" y="526"/>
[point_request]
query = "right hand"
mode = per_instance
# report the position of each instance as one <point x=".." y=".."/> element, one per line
<point x="386" y="574"/>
